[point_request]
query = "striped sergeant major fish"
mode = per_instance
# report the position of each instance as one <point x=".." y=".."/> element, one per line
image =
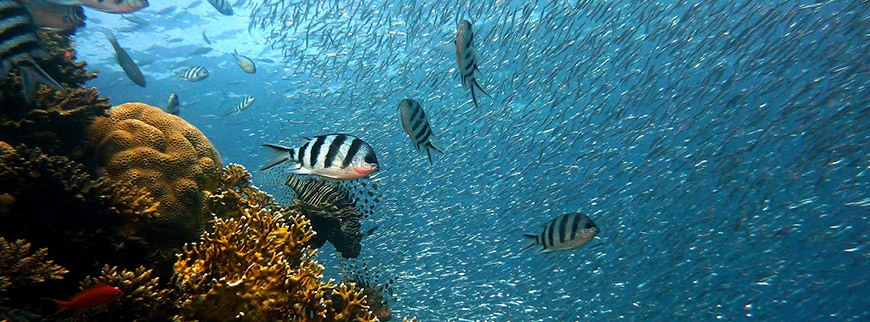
<point x="19" y="45"/>
<point x="195" y="73"/>
<point x="126" y="62"/>
<point x="222" y="6"/>
<point x="245" y="63"/>
<point x="243" y="105"/>
<point x="416" y="124"/>
<point x="333" y="156"/>
<point x="467" y="59"/>
<point x="568" y="231"/>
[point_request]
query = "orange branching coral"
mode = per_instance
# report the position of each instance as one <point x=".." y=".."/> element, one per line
<point x="354" y="304"/>
<point x="20" y="267"/>
<point x="164" y="153"/>
<point x="63" y="55"/>
<point x="143" y="299"/>
<point x="234" y="193"/>
<point x="254" y="267"/>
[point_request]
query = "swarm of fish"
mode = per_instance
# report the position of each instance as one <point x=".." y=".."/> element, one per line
<point x="245" y="63"/>
<point x="194" y="73"/>
<point x="19" y="47"/>
<point x="334" y="156"/>
<point x="417" y="127"/>
<point x="568" y="231"/>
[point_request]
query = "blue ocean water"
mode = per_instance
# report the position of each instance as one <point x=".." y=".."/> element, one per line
<point x="722" y="147"/>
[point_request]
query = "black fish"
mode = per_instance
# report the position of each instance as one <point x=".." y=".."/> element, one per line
<point x="19" y="45"/>
<point x="126" y="62"/>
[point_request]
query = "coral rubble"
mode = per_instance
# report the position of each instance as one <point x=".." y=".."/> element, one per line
<point x="163" y="153"/>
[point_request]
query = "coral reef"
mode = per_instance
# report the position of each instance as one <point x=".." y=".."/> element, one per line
<point x="20" y="267"/>
<point x="236" y="193"/>
<point x="54" y="203"/>
<point x="163" y="153"/>
<point x="332" y="212"/>
<point x="143" y="300"/>
<point x="256" y="266"/>
<point x="56" y="121"/>
<point x="352" y="272"/>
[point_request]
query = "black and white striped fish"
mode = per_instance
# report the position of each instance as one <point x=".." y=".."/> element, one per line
<point x="568" y="231"/>
<point x="194" y="73"/>
<point x="243" y="105"/>
<point x="334" y="156"/>
<point x="467" y="58"/>
<point x="222" y="6"/>
<point x="416" y="124"/>
<point x="19" y="45"/>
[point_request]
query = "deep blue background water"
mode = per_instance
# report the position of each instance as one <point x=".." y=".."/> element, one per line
<point x="722" y="148"/>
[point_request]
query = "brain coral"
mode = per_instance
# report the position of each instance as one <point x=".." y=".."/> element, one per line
<point x="164" y="153"/>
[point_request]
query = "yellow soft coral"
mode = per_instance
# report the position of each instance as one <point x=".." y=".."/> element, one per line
<point x="162" y="152"/>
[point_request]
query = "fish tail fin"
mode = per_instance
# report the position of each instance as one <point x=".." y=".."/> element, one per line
<point x="429" y="148"/>
<point x="280" y="153"/>
<point x="61" y="306"/>
<point x="476" y="84"/>
<point x="31" y="74"/>
<point x="429" y="155"/>
<point x="532" y="239"/>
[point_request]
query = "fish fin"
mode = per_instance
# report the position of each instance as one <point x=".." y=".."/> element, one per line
<point x="280" y="153"/>
<point x="530" y="238"/>
<point x="31" y="74"/>
<point x="429" y="148"/>
<point x="61" y="306"/>
<point x="300" y="170"/>
<point x="65" y="2"/>
<point x="476" y="84"/>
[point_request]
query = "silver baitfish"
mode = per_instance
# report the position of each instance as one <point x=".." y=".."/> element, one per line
<point x="19" y="46"/>
<point x="222" y="6"/>
<point x="467" y="59"/>
<point x="334" y="156"/>
<point x="568" y="231"/>
<point x="126" y="62"/>
<point x="195" y="73"/>
<point x="243" y="105"/>
<point x="173" y="106"/>
<point x="245" y="63"/>
<point x="416" y="124"/>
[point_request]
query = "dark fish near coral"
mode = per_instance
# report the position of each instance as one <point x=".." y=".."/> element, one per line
<point x="93" y="297"/>
<point x="467" y="58"/>
<point x="194" y="73"/>
<point x="173" y="106"/>
<point x="241" y="106"/>
<point x="50" y="15"/>
<point x="372" y="287"/>
<point x="416" y="124"/>
<point x="116" y="6"/>
<point x="126" y="62"/>
<point x="222" y="6"/>
<point x="565" y="232"/>
<point x="245" y="63"/>
<point x="19" y="46"/>
<point x="334" y="156"/>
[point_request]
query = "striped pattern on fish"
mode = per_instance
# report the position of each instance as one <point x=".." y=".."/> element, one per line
<point x="242" y="105"/>
<point x="194" y="73"/>
<point x="416" y="125"/>
<point x="467" y="58"/>
<point x="568" y="231"/>
<point x="334" y="156"/>
<point x="222" y="6"/>
<point x="19" y="45"/>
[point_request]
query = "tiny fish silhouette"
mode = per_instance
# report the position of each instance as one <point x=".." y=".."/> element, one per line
<point x="93" y="297"/>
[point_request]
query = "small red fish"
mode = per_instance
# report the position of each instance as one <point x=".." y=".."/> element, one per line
<point x="93" y="297"/>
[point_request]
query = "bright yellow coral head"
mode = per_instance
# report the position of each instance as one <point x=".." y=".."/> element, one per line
<point x="162" y="152"/>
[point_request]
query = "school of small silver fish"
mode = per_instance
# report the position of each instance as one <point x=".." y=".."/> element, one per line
<point x="718" y="151"/>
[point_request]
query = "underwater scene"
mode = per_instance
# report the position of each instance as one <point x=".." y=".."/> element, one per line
<point x="346" y="160"/>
